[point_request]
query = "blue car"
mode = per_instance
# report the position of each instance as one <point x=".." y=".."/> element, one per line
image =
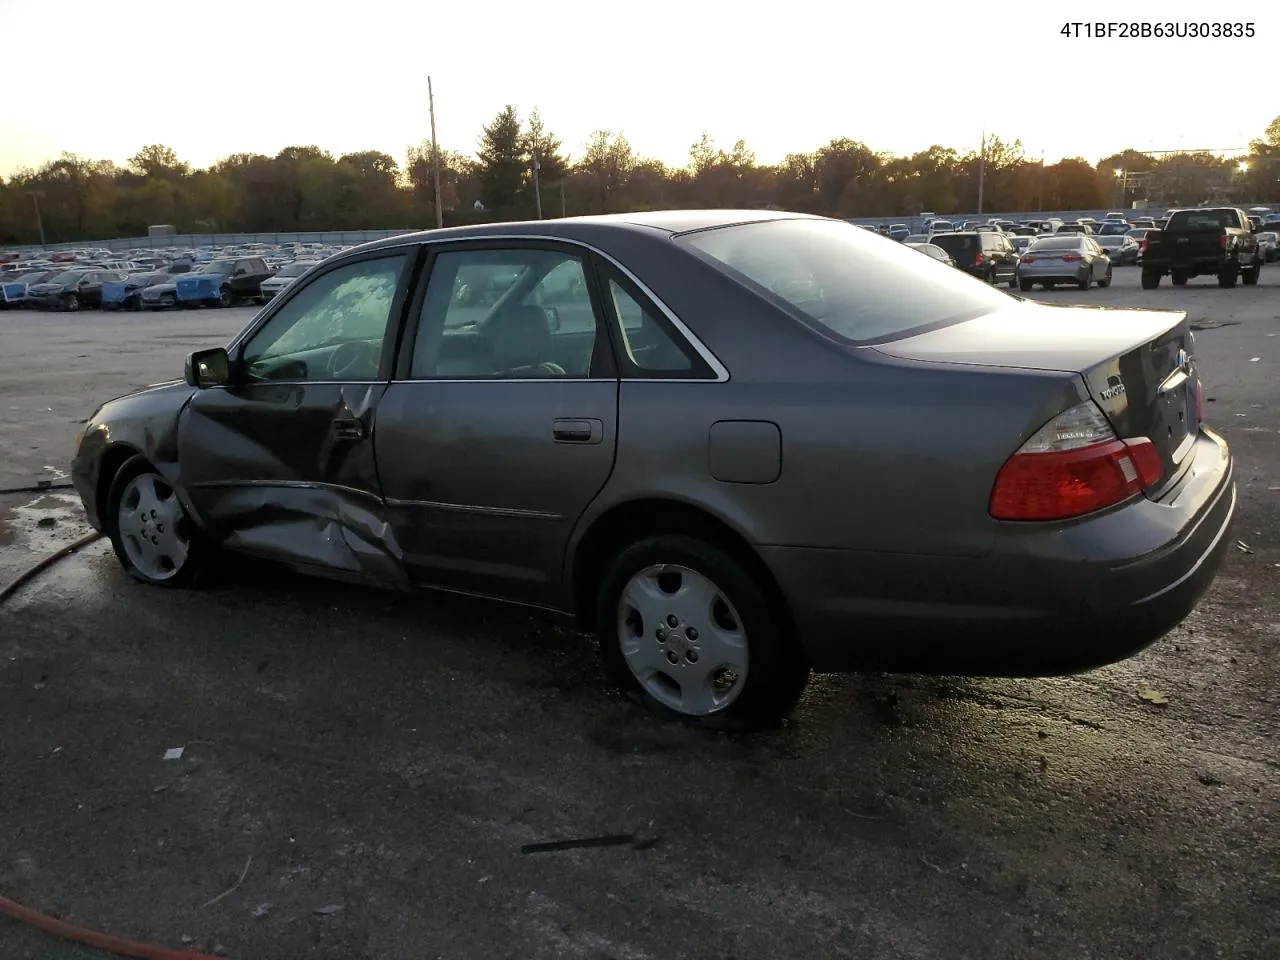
<point x="222" y="283"/>
<point x="127" y="294"/>
<point x="13" y="292"/>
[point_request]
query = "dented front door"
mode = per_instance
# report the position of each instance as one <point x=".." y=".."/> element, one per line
<point x="279" y="464"/>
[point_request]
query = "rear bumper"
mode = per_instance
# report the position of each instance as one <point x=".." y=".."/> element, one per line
<point x="1053" y="599"/>
<point x="1206" y="264"/>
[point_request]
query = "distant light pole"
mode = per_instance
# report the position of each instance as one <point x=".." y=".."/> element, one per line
<point x="537" y="183"/>
<point x="35" y="199"/>
<point x="982" y="169"/>
<point x="1121" y="186"/>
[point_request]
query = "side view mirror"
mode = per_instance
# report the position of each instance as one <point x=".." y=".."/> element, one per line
<point x="553" y="318"/>
<point x="207" y="368"/>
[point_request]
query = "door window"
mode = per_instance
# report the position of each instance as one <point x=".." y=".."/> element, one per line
<point x="508" y="314"/>
<point x="332" y="329"/>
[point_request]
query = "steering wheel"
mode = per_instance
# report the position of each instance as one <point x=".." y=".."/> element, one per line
<point x="351" y="359"/>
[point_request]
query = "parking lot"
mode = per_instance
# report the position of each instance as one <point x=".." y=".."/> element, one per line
<point x="361" y="770"/>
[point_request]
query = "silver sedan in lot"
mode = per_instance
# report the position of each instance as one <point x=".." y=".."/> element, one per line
<point x="738" y="445"/>
<point x="1064" y="258"/>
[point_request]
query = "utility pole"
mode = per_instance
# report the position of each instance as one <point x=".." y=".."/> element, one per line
<point x="562" y="206"/>
<point x="435" y="155"/>
<point x="982" y="169"/>
<point x="1040" y="196"/>
<point x="35" y="199"/>
<point x="537" y="183"/>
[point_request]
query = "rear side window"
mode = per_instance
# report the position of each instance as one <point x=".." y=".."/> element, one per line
<point x="958" y="243"/>
<point x="844" y="280"/>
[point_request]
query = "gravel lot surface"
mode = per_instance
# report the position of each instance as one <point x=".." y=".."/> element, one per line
<point x="364" y="768"/>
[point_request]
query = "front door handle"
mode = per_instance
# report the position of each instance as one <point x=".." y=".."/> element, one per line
<point x="348" y="428"/>
<point x="577" y="431"/>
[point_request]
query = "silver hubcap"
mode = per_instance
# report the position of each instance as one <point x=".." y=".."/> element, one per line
<point x="153" y="527"/>
<point x="682" y="639"/>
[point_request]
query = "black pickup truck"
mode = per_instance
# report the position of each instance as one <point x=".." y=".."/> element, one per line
<point x="1207" y="240"/>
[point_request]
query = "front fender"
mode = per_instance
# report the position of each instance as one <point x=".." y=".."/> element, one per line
<point x="143" y="423"/>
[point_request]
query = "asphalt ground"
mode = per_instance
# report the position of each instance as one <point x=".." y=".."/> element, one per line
<point x="361" y="770"/>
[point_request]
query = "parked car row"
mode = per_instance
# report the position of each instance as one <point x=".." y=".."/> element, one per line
<point x="188" y="278"/>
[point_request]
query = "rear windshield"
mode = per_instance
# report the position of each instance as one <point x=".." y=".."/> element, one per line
<point x="1202" y="220"/>
<point x="844" y="280"/>
<point x="1058" y="243"/>
<point x="956" y="242"/>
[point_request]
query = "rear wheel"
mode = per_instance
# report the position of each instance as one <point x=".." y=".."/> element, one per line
<point x="1150" y="279"/>
<point x="1106" y="282"/>
<point x="226" y="298"/>
<point x="1227" y="279"/>
<point x="689" y="631"/>
<point x="152" y="535"/>
<point x="1084" y="282"/>
<point x="71" y="302"/>
<point x="1250" y="276"/>
<point x="1024" y="285"/>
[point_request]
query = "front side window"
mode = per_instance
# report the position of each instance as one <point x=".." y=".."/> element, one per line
<point x="332" y="329"/>
<point x="507" y="314"/>
<point x="834" y="276"/>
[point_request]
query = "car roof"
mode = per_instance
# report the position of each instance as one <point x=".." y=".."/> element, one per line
<point x="663" y="221"/>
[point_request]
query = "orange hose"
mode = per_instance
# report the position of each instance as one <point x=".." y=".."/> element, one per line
<point x="16" y="911"/>
<point x="91" y="938"/>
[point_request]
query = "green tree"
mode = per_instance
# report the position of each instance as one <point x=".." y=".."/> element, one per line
<point x="157" y="160"/>
<point x="552" y="165"/>
<point x="501" y="169"/>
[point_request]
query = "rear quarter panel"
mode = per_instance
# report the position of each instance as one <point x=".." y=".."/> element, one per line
<point x="878" y="454"/>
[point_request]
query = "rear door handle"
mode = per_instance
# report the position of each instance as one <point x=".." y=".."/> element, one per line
<point x="577" y="431"/>
<point x="348" y="428"/>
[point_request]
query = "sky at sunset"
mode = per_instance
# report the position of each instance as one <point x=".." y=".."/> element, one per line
<point x="209" y="79"/>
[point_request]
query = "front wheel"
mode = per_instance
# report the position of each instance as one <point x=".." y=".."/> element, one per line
<point x="153" y="537"/>
<point x="226" y="298"/>
<point x="1178" y="279"/>
<point x="1024" y="286"/>
<point x="1106" y="282"/>
<point x="686" y="629"/>
<point x="71" y="303"/>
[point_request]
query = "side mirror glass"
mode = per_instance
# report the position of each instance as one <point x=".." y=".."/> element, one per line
<point x="208" y="368"/>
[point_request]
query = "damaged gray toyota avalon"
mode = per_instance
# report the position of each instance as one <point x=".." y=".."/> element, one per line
<point x="739" y="446"/>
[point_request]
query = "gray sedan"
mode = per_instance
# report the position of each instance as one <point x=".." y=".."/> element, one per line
<point x="1064" y="258"/>
<point x="737" y="446"/>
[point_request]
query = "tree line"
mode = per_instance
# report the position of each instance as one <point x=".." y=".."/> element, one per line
<point x="305" y="188"/>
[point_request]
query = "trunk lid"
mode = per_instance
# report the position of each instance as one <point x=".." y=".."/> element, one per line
<point x="1137" y="364"/>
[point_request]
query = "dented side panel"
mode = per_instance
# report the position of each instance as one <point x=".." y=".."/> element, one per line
<point x="286" y="471"/>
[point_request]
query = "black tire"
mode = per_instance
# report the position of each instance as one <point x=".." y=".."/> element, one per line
<point x="71" y="303"/>
<point x="1025" y="286"/>
<point x="1086" y="281"/>
<point x="1250" y="276"/>
<point x="226" y="298"/>
<point x="1107" y="282"/>
<point x="1178" y="279"/>
<point x="1014" y="282"/>
<point x="776" y="671"/>
<point x="1227" y="279"/>
<point x="1046" y="285"/>
<point x="1150" y="279"/>
<point x="194" y="565"/>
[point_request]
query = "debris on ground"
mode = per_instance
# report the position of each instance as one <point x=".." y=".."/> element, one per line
<point x="1153" y="696"/>
<point x="47" y="522"/>
<point x="329" y="910"/>
<point x="260" y="910"/>
<point x="173" y="753"/>
<point x="1209" y="780"/>
<point x="1243" y="547"/>
<point x="578" y="843"/>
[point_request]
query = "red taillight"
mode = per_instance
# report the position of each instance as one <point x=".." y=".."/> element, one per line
<point x="1072" y="258"/>
<point x="1028" y="259"/>
<point x="1072" y="466"/>
<point x="1224" y="240"/>
<point x="1143" y="245"/>
<point x="979" y="260"/>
